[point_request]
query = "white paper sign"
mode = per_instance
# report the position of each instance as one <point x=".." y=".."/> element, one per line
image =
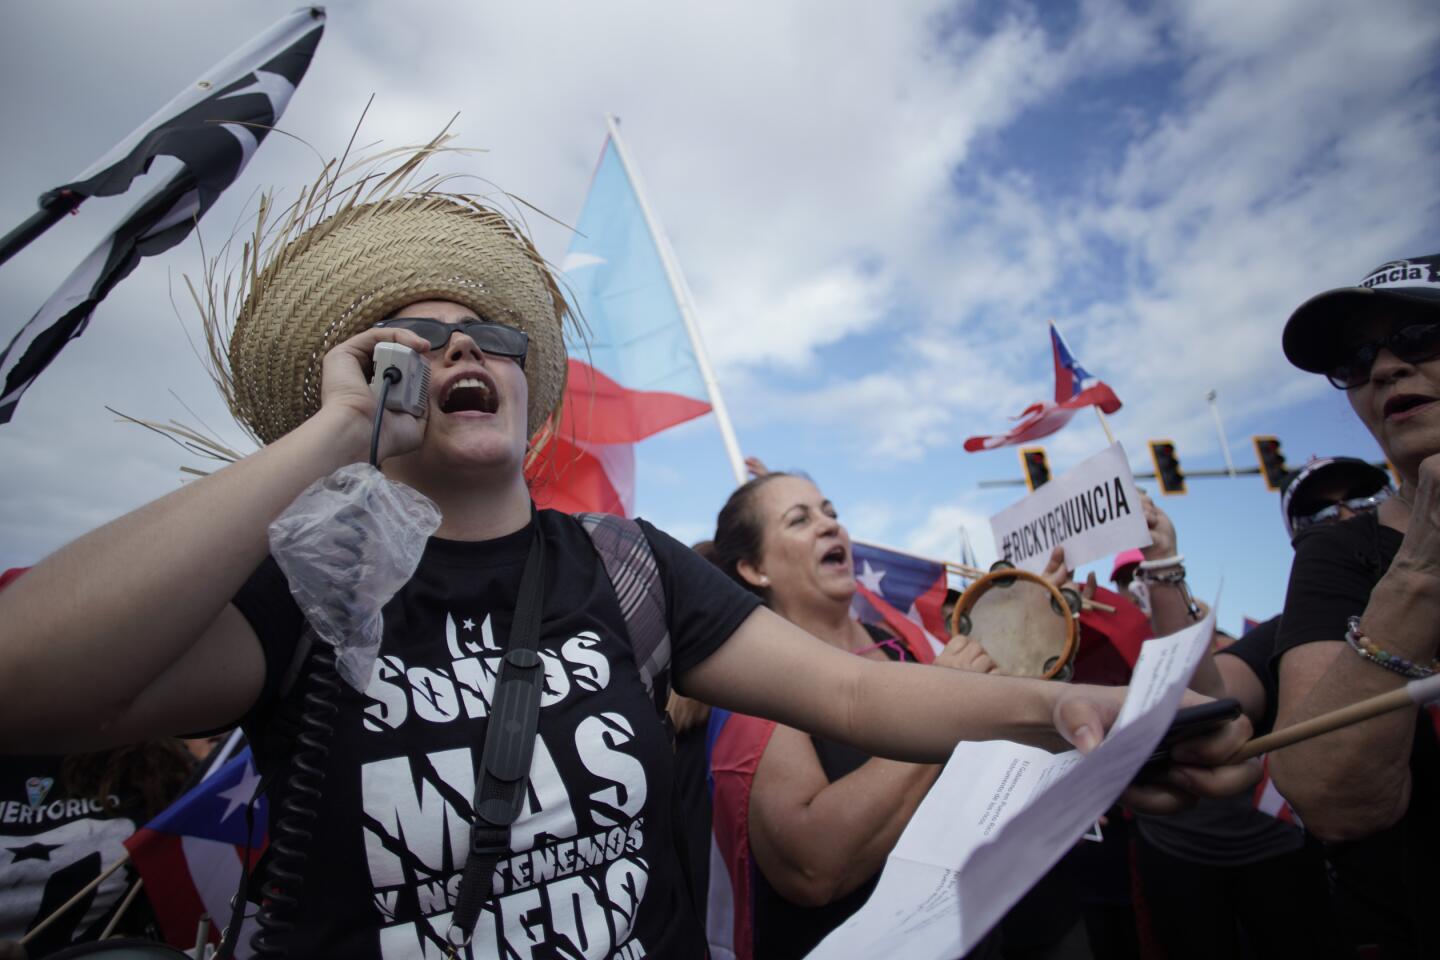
<point x="1094" y="511"/>
<point x="1002" y="814"/>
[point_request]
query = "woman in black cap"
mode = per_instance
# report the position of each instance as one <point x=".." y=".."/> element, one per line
<point x="1331" y="488"/>
<point x="1362" y="615"/>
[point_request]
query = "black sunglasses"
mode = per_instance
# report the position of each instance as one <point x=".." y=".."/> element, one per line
<point x="1332" y="512"/>
<point x="1412" y="343"/>
<point x="491" y="337"/>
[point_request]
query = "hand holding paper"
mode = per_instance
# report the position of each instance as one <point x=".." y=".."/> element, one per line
<point x="1002" y="814"/>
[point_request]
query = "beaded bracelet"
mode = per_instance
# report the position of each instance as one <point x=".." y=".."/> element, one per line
<point x="1174" y="574"/>
<point x="1178" y="560"/>
<point x="1379" y="656"/>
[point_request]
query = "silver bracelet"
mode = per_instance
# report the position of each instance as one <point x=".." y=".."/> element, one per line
<point x="1176" y="579"/>
<point x="1171" y="575"/>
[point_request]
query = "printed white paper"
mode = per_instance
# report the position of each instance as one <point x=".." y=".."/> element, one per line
<point x="1002" y="814"/>
<point x="1093" y="510"/>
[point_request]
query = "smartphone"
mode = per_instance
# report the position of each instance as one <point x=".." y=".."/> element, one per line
<point x="411" y="394"/>
<point x="1189" y="723"/>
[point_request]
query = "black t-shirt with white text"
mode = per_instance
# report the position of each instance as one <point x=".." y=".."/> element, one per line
<point x="592" y="871"/>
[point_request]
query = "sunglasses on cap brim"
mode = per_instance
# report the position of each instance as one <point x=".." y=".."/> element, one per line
<point x="1332" y="512"/>
<point x="1412" y="343"/>
<point x="489" y="336"/>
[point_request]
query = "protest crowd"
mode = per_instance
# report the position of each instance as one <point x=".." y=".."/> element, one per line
<point x="695" y="752"/>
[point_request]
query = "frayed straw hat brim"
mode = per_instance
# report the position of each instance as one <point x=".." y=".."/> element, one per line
<point x="362" y="264"/>
<point x="356" y="246"/>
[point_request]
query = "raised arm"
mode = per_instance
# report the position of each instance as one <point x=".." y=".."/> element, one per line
<point x="1170" y="597"/>
<point x="127" y="633"/>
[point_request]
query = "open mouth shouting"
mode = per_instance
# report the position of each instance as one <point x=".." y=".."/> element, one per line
<point x="836" y="558"/>
<point x="469" y="391"/>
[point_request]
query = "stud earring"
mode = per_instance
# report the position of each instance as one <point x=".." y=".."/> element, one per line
<point x="764" y="581"/>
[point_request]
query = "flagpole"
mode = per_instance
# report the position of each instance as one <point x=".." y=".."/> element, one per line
<point x="1104" y="425"/>
<point x="53" y="207"/>
<point x="687" y="307"/>
<point x="1220" y="431"/>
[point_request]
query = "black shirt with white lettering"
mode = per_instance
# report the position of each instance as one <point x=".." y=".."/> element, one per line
<point x="593" y="870"/>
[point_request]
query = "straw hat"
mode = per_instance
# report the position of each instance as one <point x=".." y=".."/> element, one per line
<point x="337" y="268"/>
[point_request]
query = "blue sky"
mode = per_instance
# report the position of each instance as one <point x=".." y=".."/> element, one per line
<point x="879" y="208"/>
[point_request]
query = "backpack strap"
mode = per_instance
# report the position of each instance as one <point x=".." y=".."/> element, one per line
<point x="635" y="575"/>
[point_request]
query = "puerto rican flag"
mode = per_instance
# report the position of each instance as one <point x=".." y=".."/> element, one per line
<point x="904" y="593"/>
<point x="190" y="856"/>
<point x="636" y="373"/>
<point x="1075" y="389"/>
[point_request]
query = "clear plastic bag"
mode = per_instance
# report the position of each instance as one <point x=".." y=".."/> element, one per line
<point x="347" y="545"/>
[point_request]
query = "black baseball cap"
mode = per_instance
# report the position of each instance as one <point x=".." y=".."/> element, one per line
<point x="1398" y="288"/>
<point x="1299" y="489"/>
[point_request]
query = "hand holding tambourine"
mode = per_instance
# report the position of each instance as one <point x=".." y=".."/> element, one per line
<point x="963" y="653"/>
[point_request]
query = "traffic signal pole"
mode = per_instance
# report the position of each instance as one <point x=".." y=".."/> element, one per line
<point x="1220" y="431"/>
<point x="1239" y="472"/>
<point x="1168" y="472"/>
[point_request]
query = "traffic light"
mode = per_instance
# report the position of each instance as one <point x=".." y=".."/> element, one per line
<point x="1037" y="468"/>
<point x="1272" y="461"/>
<point x="1167" y="467"/>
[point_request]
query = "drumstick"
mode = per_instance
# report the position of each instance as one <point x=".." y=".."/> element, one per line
<point x="60" y="910"/>
<point x="1413" y="694"/>
<point x="974" y="573"/>
<point x="124" y="905"/>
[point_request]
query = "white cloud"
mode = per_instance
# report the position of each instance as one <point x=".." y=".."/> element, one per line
<point x="803" y="158"/>
<point x="1274" y="175"/>
<point x="811" y="312"/>
<point x="938" y="535"/>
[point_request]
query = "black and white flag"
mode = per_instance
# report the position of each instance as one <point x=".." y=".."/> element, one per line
<point x="211" y="129"/>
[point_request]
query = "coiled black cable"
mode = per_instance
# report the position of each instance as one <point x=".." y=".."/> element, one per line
<point x="293" y="819"/>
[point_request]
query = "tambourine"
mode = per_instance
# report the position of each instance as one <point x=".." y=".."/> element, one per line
<point x="1026" y="624"/>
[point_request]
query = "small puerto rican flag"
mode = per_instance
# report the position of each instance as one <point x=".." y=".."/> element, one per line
<point x="190" y="856"/>
<point x="1075" y="389"/>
